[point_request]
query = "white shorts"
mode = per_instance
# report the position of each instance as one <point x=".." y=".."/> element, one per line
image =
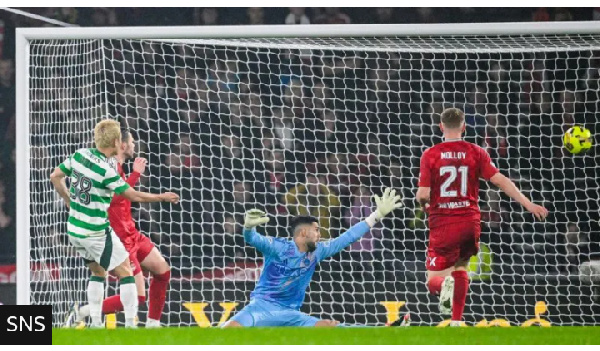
<point x="106" y="250"/>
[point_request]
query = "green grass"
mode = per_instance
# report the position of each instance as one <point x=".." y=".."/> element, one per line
<point x="347" y="336"/>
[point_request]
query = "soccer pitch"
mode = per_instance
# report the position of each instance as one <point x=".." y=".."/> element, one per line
<point x="344" y="336"/>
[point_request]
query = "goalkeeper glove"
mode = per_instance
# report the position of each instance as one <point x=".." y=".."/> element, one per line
<point x="255" y="218"/>
<point x="385" y="204"/>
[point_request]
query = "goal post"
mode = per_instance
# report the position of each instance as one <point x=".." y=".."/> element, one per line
<point x="351" y="107"/>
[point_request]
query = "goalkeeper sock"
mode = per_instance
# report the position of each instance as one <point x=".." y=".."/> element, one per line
<point x="113" y="304"/>
<point x="157" y="294"/>
<point x="128" y="294"/>
<point x="435" y="285"/>
<point x="461" y="286"/>
<point x="95" y="293"/>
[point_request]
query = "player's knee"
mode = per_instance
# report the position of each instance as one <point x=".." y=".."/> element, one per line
<point x="123" y="270"/>
<point x="231" y="324"/>
<point x="97" y="270"/>
<point x="443" y="273"/>
<point x="164" y="276"/>
<point x="166" y="270"/>
<point x="326" y="323"/>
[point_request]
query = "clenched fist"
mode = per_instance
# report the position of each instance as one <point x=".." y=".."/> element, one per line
<point x="170" y="197"/>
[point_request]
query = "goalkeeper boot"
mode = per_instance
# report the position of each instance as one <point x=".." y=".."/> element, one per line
<point x="446" y="295"/>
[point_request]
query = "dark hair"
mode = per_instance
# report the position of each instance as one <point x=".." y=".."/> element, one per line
<point x="301" y="220"/>
<point x="452" y="118"/>
<point x="125" y="134"/>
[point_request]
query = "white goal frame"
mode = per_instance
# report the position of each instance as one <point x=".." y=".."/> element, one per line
<point x="24" y="35"/>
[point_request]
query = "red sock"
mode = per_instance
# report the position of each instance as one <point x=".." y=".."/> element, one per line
<point x="461" y="286"/>
<point x="113" y="304"/>
<point x="435" y="285"/>
<point x="157" y="294"/>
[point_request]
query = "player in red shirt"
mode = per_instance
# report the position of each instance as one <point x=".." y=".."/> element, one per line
<point x="449" y="191"/>
<point x="142" y="253"/>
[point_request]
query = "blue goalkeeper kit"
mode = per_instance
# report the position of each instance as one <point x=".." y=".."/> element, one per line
<point x="280" y="291"/>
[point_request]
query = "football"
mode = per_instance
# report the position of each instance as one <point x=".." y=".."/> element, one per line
<point x="577" y="139"/>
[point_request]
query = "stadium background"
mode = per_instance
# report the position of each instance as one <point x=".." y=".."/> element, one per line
<point x="558" y="266"/>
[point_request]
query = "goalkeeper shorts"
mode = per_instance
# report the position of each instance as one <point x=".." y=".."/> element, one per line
<point x="107" y="250"/>
<point x="260" y="313"/>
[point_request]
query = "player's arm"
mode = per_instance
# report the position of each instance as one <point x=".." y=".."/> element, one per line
<point x="423" y="196"/>
<point x="57" y="177"/>
<point x="510" y="189"/>
<point x="140" y="196"/>
<point x="386" y="204"/>
<point x="424" y="192"/>
<point x="139" y="166"/>
<point x="491" y="173"/>
<point x="262" y="243"/>
<point x="114" y="182"/>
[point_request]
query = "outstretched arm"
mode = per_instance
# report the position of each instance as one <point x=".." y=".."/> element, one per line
<point x="140" y="196"/>
<point x="511" y="190"/>
<point x="262" y="243"/>
<point x="386" y="204"/>
<point x="331" y="247"/>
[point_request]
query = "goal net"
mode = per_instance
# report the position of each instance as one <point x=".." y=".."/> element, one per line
<point x="317" y="126"/>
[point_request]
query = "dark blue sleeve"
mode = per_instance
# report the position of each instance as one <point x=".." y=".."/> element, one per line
<point x="264" y="244"/>
<point x="329" y="248"/>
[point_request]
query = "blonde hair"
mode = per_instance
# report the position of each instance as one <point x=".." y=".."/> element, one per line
<point x="106" y="133"/>
<point x="452" y="118"/>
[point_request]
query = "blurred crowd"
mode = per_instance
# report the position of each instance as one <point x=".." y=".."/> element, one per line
<point x="317" y="132"/>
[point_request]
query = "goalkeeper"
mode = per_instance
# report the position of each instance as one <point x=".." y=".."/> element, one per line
<point x="290" y="264"/>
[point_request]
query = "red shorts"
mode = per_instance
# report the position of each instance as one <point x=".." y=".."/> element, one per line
<point x="139" y="248"/>
<point x="452" y="242"/>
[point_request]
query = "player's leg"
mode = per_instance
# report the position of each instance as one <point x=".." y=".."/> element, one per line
<point x="441" y="284"/>
<point x="154" y="262"/>
<point x="470" y="232"/>
<point x="442" y="254"/>
<point x="95" y="293"/>
<point x="112" y="304"/>
<point x="440" y="265"/>
<point x="461" y="287"/>
<point x="245" y="317"/>
<point x="120" y="266"/>
<point x="91" y="249"/>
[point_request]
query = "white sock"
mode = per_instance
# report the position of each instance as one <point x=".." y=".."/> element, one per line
<point x="84" y="311"/>
<point x="129" y="299"/>
<point x="95" y="294"/>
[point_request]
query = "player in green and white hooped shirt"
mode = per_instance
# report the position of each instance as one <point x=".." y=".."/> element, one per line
<point x="93" y="181"/>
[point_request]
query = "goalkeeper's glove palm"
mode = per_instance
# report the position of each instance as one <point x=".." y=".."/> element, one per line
<point x="255" y="218"/>
<point x="388" y="202"/>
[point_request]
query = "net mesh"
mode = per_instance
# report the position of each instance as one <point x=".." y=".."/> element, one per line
<point x="317" y="126"/>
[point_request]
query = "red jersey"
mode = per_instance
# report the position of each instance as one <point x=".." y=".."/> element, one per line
<point x="119" y="211"/>
<point x="452" y="170"/>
